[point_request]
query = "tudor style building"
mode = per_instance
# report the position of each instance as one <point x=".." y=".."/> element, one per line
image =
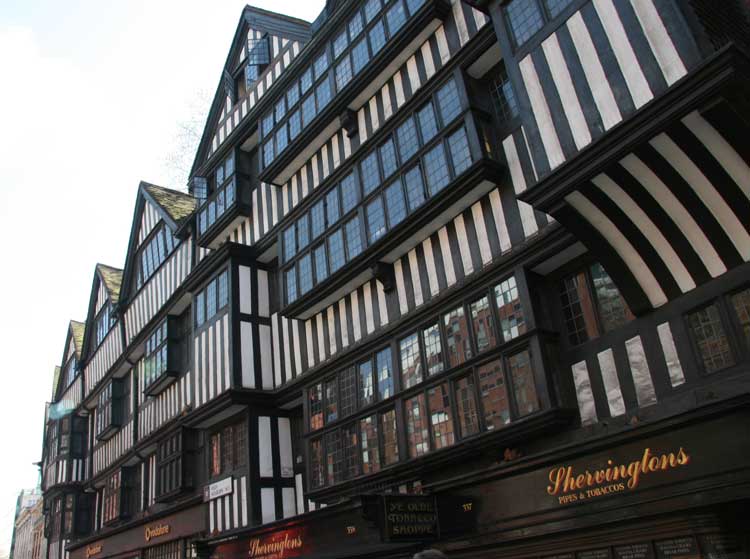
<point x="471" y="275"/>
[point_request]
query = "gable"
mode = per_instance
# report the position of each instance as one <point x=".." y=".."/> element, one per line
<point x="150" y="218"/>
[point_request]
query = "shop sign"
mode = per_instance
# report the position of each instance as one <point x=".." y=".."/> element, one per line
<point x="641" y="550"/>
<point x="287" y="543"/>
<point x="570" y="484"/>
<point x="158" y="530"/>
<point x="218" y="489"/>
<point x="93" y="550"/>
<point x="677" y="548"/>
<point x="410" y="517"/>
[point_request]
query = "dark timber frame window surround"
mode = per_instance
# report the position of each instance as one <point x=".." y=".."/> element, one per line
<point x="489" y="382"/>
<point x="70" y="371"/>
<point x="720" y="331"/>
<point x="103" y="322"/>
<point x="111" y="498"/>
<point x="175" y="464"/>
<point x="153" y="253"/>
<point x="166" y="354"/>
<point x="422" y="155"/>
<point x="211" y="301"/>
<point x="221" y="194"/>
<point x="526" y="18"/>
<point x="227" y="449"/>
<point x="256" y="59"/>
<point x="111" y="407"/>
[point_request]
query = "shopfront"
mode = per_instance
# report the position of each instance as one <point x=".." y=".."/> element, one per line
<point x="166" y="537"/>
<point x="676" y="489"/>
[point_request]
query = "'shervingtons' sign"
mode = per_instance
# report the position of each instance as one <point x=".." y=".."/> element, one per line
<point x="570" y="485"/>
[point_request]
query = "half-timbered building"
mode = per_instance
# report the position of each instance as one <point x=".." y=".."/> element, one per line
<point x="471" y="275"/>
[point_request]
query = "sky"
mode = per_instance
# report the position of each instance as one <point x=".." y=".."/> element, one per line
<point x="94" y="97"/>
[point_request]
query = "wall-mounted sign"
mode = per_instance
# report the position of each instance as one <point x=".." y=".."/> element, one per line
<point x="218" y="489"/>
<point x="677" y="548"/>
<point x="571" y="484"/>
<point x="280" y="545"/>
<point x="93" y="550"/>
<point x="155" y="531"/>
<point x="409" y="517"/>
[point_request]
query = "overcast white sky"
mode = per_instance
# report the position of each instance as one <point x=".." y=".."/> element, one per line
<point x="91" y="96"/>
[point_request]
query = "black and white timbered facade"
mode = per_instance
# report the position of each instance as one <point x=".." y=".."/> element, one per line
<point x="484" y="261"/>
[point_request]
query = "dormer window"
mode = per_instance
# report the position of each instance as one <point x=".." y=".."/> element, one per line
<point x="110" y="408"/>
<point x="256" y="60"/>
<point x="154" y="253"/>
<point x="104" y="321"/>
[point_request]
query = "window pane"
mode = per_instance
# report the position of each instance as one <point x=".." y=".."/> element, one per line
<point x="524" y="18"/>
<point x="336" y="250"/>
<point x="334" y="458"/>
<point x="368" y="430"/>
<point x="509" y="308"/>
<point x="211" y="300"/>
<point x="292" y="96"/>
<point x="481" y="319"/>
<point x="291" y="284"/>
<point x="353" y="238"/>
<point x="375" y="220"/>
<point x="370" y="173"/>
<point x="305" y="274"/>
<point x="323" y="94"/>
<point x="321" y="265"/>
<point x="355" y="25"/>
<point x="390" y="437"/>
<point x="223" y="290"/>
<point x="303" y="231"/>
<point x="350" y="451"/>
<point x="408" y="143"/>
<point x="377" y="37"/>
<point x="372" y="8"/>
<point x="466" y="405"/>
<point x="711" y="339"/>
<point x="494" y="395"/>
<point x="360" y="56"/>
<point x="457" y="337"/>
<point x="295" y="125"/>
<point x="578" y="309"/>
<point x="396" y="17"/>
<point x="308" y="110"/>
<point x="741" y="305"/>
<point x="290" y="244"/>
<point x="385" y="376"/>
<point x="414" y="187"/>
<point x="613" y="311"/>
<point x="280" y="110"/>
<point x="417" y="433"/>
<point x="349" y="193"/>
<point x="339" y="43"/>
<point x="332" y="403"/>
<point x="317" y="478"/>
<point x="395" y="204"/>
<point x="318" y="219"/>
<point x="366" y="389"/>
<point x="438" y="398"/>
<point x="449" y="102"/>
<point x="388" y="158"/>
<point x="320" y="65"/>
<point x="555" y="7"/>
<point x="348" y="386"/>
<point x="503" y="98"/>
<point x="427" y="122"/>
<point x="459" y="148"/>
<point x="411" y="366"/>
<point x="433" y="349"/>
<point x="522" y="377"/>
<point x="315" y="394"/>
<point x="436" y="169"/>
<point x="332" y="206"/>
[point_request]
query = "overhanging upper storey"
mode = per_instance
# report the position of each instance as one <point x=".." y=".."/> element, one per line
<point x="353" y="54"/>
<point x="663" y="199"/>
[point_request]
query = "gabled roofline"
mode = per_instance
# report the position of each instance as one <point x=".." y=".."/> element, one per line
<point x="250" y="15"/>
<point x="98" y="277"/>
<point x="70" y="337"/>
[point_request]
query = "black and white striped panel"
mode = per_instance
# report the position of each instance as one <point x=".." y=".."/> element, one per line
<point x="149" y="219"/>
<point x="230" y="512"/>
<point x="276" y="469"/>
<point x="157" y="410"/>
<point x="473" y="239"/>
<point x="201" y="253"/>
<point x="157" y="291"/>
<point x="77" y="470"/>
<point x="70" y="349"/>
<point x="101" y="297"/>
<point x="270" y="203"/>
<point x="211" y="361"/>
<point x="106" y="453"/>
<point x="675" y="211"/>
<point x="72" y="395"/>
<point x="106" y="354"/>
<point x="624" y="377"/>
<point x="605" y="62"/>
<point x="148" y="472"/>
<point x="256" y="349"/>
<point x="231" y="116"/>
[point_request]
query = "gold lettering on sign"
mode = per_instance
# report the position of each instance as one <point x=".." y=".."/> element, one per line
<point x="156" y="531"/>
<point x="569" y="486"/>
<point x="274" y="549"/>
<point x="93" y="550"/>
